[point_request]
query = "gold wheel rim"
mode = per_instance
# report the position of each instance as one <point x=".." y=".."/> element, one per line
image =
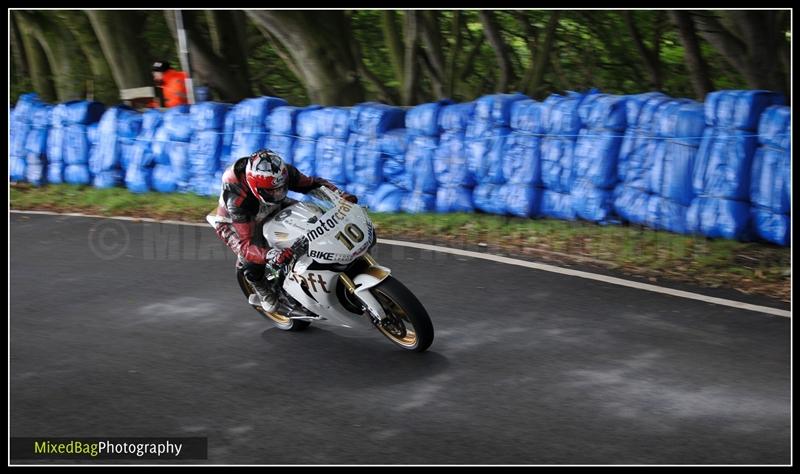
<point x="275" y="316"/>
<point x="392" y="308"/>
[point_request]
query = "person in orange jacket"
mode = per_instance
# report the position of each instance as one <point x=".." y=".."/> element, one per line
<point x="172" y="84"/>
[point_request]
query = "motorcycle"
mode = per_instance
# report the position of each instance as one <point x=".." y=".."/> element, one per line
<point x="332" y="278"/>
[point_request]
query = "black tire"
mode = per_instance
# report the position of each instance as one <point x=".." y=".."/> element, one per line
<point x="400" y="303"/>
<point x="280" y="321"/>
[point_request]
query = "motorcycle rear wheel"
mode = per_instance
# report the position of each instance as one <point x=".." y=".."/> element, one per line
<point x="279" y="320"/>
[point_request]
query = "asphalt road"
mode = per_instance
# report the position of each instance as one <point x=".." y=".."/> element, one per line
<point x="134" y="329"/>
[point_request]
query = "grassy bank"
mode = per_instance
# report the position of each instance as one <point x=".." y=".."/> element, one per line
<point x="752" y="268"/>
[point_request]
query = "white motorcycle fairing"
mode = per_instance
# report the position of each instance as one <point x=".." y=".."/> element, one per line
<point x="337" y="233"/>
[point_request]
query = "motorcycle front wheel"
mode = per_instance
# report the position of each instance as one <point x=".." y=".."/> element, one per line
<point x="279" y="320"/>
<point x="407" y="323"/>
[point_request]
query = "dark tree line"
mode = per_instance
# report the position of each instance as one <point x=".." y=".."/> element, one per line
<point x="341" y="57"/>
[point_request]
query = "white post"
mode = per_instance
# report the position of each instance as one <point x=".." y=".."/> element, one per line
<point x="184" y="55"/>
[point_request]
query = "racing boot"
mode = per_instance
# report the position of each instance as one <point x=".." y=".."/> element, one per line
<point x="264" y="295"/>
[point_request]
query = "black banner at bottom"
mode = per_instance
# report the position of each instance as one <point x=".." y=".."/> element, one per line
<point x="109" y="448"/>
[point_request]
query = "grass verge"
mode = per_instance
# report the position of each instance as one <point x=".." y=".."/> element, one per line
<point x="749" y="267"/>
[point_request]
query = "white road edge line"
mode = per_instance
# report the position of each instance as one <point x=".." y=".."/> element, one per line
<point x="494" y="258"/>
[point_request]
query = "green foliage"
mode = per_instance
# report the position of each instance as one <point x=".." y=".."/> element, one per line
<point x="591" y="48"/>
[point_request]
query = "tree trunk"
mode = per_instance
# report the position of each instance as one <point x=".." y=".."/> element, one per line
<point x="118" y="34"/>
<point x="104" y="88"/>
<point x="454" y="51"/>
<point x="492" y="31"/>
<point x="539" y="66"/>
<point x="386" y="94"/>
<point x="226" y="75"/>
<point x="65" y="58"/>
<point x="17" y="49"/>
<point x="432" y="46"/>
<point x="40" y="73"/>
<point x="698" y="70"/>
<point x="651" y="59"/>
<point x="394" y="42"/>
<point x="755" y="56"/>
<point x="230" y="44"/>
<point x="317" y="42"/>
<point x="410" y="36"/>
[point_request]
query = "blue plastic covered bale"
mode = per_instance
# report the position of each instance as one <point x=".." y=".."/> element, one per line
<point x="485" y="156"/>
<point x="450" y="161"/>
<point x="590" y="202"/>
<point x="522" y="200"/>
<point x="454" y="199"/>
<point x="388" y="198"/>
<point x="719" y="218"/>
<point x="560" y="114"/>
<point x="372" y="118"/>
<point x="204" y="152"/>
<point x="246" y="143"/>
<point x="139" y="173"/>
<point x="55" y="172"/>
<point x="640" y="108"/>
<point x="774" y="128"/>
<point x="522" y="158"/>
<point x="164" y="179"/>
<point x="36" y="140"/>
<point x="456" y="117"/>
<point x="603" y="112"/>
<point x="724" y="163"/>
<point x="672" y="172"/>
<point x="557" y="205"/>
<point x="308" y="120"/>
<point x="557" y="163"/>
<point x="772" y="227"/>
<point x="664" y="214"/>
<point x="419" y="163"/>
<point x="394" y="171"/>
<point x="283" y="145"/>
<point x="178" y="153"/>
<point x="305" y="156"/>
<point x="283" y="120"/>
<point x="107" y="179"/>
<point x="418" y="202"/>
<point x="159" y="145"/>
<point x="636" y="162"/>
<point x="36" y="169"/>
<point x="363" y="160"/>
<point x="394" y="142"/>
<point x="334" y="122"/>
<point x="490" y="198"/>
<point x="208" y="115"/>
<point x="496" y="108"/>
<point x="77" y="174"/>
<point x="17" y="167"/>
<point x="129" y="123"/>
<point x="55" y="135"/>
<point x="595" y="157"/>
<point x="363" y="192"/>
<point x="771" y="180"/>
<point x="24" y="108"/>
<point x="681" y="121"/>
<point x="178" y="125"/>
<point x="251" y="114"/>
<point x="424" y="119"/>
<point x="740" y="109"/>
<point x="632" y="204"/>
<point x="83" y="112"/>
<point x="227" y="136"/>
<point x="527" y="116"/>
<point x="76" y="145"/>
<point x="330" y="156"/>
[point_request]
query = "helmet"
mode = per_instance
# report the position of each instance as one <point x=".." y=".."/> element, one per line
<point x="160" y="66"/>
<point x="267" y="176"/>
